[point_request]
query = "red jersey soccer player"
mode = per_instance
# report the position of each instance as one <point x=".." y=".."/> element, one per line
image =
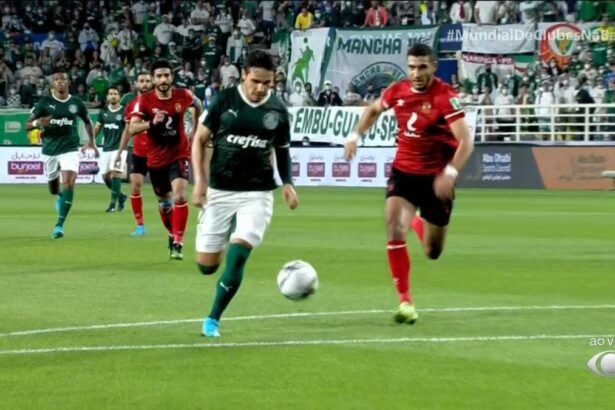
<point x="161" y="113"/>
<point x="138" y="169"/>
<point x="434" y="144"/>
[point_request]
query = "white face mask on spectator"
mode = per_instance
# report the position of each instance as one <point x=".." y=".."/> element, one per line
<point x="587" y="66"/>
<point x="298" y="89"/>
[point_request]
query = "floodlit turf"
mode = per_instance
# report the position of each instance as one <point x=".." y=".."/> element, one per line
<point x="505" y="322"/>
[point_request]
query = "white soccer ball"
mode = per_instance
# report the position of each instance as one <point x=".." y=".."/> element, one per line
<point x="297" y="280"/>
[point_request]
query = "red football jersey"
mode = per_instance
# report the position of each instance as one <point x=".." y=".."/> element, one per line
<point x="139" y="143"/>
<point x="168" y="143"/>
<point x="425" y="143"/>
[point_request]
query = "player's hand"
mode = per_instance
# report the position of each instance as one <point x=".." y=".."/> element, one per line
<point x="159" y="117"/>
<point x="199" y="193"/>
<point x="90" y="146"/>
<point x="444" y="187"/>
<point x="117" y="161"/>
<point x="43" y="121"/>
<point x="350" y="149"/>
<point x="290" y="196"/>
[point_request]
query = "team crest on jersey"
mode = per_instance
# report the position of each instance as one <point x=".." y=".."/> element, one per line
<point x="455" y="103"/>
<point x="72" y="109"/>
<point x="426" y="107"/>
<point x="271" y="121"/>
<point x="178" y="107"/>
<point x="118" y="117"/>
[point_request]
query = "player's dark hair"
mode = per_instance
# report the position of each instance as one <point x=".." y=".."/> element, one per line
<point x="421" y="50"/>
<point x="161" y="64"/>
<point x="142" y="73"/>
<point x="113" y="87"/>
<point x="259" y="59"/>
<point x="59" y="70"/>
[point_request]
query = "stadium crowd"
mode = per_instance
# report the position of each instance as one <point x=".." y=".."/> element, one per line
<point x="107" y="42"/>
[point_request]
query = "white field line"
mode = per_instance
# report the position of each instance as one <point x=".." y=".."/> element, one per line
<point x="293" y="343"/>
<point x="303" y="314"/>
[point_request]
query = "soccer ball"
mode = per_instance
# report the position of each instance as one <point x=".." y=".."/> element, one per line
<point x="297" y="280"/>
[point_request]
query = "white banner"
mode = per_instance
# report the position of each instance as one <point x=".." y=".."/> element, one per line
<point x="26" y="165"/>
<point x="502" y="39"/>
<point x="327" y="167"/>
<point x="306" y="57"/>
<point x="332" y="125"/>
<point x="376" y="57"/>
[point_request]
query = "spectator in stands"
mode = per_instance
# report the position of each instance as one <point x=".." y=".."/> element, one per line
<point x="183" y="30"/>
<point x="308" y="96"/>
<point x="246" y="26"/>
<point x="328" y="97"/>
<point x="583" y="97"/>
<point x="93" y="100"/>
<point x="304" y="19"/>
<point x="487" y="78"/>
<point x="506" y="12"/>
<point x="164" y="31"/>
<point x="296" y="99"/>
<point x="139" y="13"/>
<point x="191" y="50"/>
<point x="235" y="44"/>
<point x="565" y="94"/>
<point x="184" y="77"/>
<point x="461" y="12"/>
<point x="377" y="15"/>
<point x="212" y="53"/>
<point x="486" y="12"/>
<point x="30" y="70"/>
<point x="609" y="98"/>
<point x="173" y="55"/>
<point x="370" y="94"/>
<point x="506" y="117"/>
<point x="352" y="98"/>
<point x="26" y="92"/>
<point x="280" y="92"/>
<point x="406" y="14"/>
<point x="473" y="98"/>
<point x="228" y="70"/>
<point x="88" y="39"/>
<point x="530" y="11"/>
<point x="552" y="11"/>
<point x="225" y="23"/>
<point x="200" y="15"/>
<point x="544" y="111"/>
<point x="54" y="44"/>
<point x="429" y="14"/>
<point x="268" y="11"/>
<point x="588" y="11"/>
<point x="14" y="99"/>
<point x="588" y="72"/>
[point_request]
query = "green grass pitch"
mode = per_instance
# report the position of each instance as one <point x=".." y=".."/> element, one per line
<point x="103" y="320"/>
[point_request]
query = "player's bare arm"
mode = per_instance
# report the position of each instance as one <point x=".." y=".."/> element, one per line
<point x="444" y="184"/>
<point x="284" y="165"/>
<point x="200" y="163"/>
<point x="137" y="125"/>
<point x="196" y="109"/>
<point x="89" y="130"/>
<point x="34" y="122"/>
<point x="123" y="144"/>
<point x="368" y="118"/>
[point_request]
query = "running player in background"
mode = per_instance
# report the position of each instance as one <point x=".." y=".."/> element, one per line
<point x="138" y="167"/>
<point x="434" y="144"/>
<point x="161" y="113"/>
<point x="111" y="122"/>
<point x="57" y="115"/>
<point x="245" y="124"/>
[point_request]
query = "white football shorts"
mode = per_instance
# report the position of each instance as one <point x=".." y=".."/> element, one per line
<point x="69" y="161"/>
<point x="107" y="162"/>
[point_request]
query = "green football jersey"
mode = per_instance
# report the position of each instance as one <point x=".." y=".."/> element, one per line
<point x="244" y="134"/>
<point x="61" y="135"/>
<point x="113" y="126"/>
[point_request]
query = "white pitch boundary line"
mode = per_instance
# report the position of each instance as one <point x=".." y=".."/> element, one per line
<point x="300" y="314"/>
<point x="506" y="338"/>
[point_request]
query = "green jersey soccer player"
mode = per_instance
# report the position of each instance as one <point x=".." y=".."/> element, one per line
<point x="57" y="116"/>
<point x="244" y="125"/>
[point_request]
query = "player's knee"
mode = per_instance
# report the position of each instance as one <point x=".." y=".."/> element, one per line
<point x="396" y="231"/>
<point x="68" y="185"/>
<point x="179" y="198"/>
<point x="208" y="270"/>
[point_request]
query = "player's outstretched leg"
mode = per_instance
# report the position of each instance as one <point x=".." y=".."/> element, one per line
<point x="109" y="183"/>
<point x="179" y="184"/>
<point x="228" y="284"/>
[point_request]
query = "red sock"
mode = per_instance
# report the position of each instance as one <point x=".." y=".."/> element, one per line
<point x="180" y="219"/>
<point x="166" y="215"/>
<point x="418" y="226"/>
<point x="399" y="263"/>
<point x="136" y="202"/>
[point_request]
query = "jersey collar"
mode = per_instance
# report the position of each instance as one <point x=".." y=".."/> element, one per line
<point x="62" y="101"/>
<point x="250" y="103"/>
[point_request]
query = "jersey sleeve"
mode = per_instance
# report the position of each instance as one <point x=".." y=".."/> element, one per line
<point x="212" y="119"/>
<point x="140" y="108"/>
<point x="388" y="97"/>
<point x="449" y="105"/>
<point x="39" y="109"/>
<point x="282" y="138"/>
<point x="128" y="110"/>
<point x="82" y="112"/>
